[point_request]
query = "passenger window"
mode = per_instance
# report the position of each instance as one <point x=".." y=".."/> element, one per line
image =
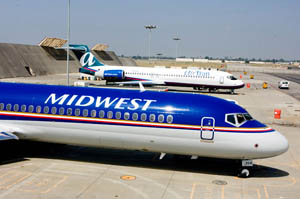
<point x="30" y="108"/>
<point x="69" y="111"/>
<point x="126" y="116"/>
<point x="8" y="107"/>
<point x="46" y="109"/>
<point x="144" y="117"/>
<point x="53" y="110"/>
<point x="135" y="116"/>
<point x="85" y="112"/>
<point x="161" y="118"/>
<point x="77" y="112"/>
<point x="169" y="118"/>
<point x="93" y="113"/>
<point x="101" y="114"/>
<point x="109" y="114"/>
<point x="16" y="107"/>
<point x="38" y="109"/>
<point x="23" y="108"/>
<point x="230" y="119"/>
<point x="61" y="111"/>
<point x="118" y="115"/>
<point x="240" y="118"/>
<point x="152" y="117"/>
<point x="1" y="106"/>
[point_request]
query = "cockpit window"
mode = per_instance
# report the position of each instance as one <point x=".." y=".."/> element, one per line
<point x="237" y="119"/>
<point x="240" y="118"/>
<point x="230" y="119"/>
<point x="231" y="77"/>
<point x="248" y="116"/>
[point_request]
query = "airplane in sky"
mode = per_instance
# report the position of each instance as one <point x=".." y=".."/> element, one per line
<point x="198" y="79"/>
<point x="163" y="122"/>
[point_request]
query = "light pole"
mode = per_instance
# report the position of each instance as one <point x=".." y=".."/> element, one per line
<point x="68" y="43"/>
<point x="149" y="27"/>
<point x="176" y="39"/>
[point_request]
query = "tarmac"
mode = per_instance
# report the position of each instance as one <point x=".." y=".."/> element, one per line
<point x="40" y="170"/>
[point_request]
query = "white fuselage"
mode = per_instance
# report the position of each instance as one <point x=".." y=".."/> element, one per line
<point x="183" y="142"/>
<point x="180" y="77"/>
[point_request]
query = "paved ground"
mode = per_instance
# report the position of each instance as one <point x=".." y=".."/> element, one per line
<point x="38" y="170"/>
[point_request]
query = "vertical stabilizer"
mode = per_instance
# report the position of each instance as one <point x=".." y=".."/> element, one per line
<point x="86" y="57"/>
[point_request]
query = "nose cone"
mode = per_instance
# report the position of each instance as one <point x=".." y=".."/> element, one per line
<point x="239" y="84"/>
<point x="274" y="144"/>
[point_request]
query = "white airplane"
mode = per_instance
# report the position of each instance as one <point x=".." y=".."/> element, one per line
<point x="175" y="123"/>
<point x="198" y="79"/>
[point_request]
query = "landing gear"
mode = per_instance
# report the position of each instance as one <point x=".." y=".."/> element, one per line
<point x="244" y="170"/>
<point x="232" y="91"/>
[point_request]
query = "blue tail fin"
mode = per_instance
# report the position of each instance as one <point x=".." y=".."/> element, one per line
<point x="87" y="59"/>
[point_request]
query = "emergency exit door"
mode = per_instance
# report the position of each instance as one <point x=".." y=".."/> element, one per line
<point x="207" y="130"/>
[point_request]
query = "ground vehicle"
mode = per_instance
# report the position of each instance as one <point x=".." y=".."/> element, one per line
<point x="283" y="84"/>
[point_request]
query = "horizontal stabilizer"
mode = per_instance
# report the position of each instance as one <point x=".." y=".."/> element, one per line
<point x="7" y="136"/>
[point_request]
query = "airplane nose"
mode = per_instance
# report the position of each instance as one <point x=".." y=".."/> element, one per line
<point x="242" y="84"/>
<point x="239" y="84"/>
<point x="274" y="145"/>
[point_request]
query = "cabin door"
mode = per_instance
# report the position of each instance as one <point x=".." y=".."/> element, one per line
<point x="207" y="130"/>
<point x="221" y="79"/>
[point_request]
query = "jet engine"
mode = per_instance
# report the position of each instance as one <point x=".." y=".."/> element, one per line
<point x="111" y="75"/>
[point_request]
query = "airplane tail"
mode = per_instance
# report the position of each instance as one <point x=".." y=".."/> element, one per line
<point x="87" y="59"/>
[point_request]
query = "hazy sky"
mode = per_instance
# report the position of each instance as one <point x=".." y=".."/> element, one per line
<point x="233" y="28"/>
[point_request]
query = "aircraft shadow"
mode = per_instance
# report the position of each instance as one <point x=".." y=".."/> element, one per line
<point x="24" y="150"/>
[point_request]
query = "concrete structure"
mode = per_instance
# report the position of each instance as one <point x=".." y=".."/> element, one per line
<point x="110" y="58"/>
<point x="18" y="60"/>
<point x="126" y="61"/>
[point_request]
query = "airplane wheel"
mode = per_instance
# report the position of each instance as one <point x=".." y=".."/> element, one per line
<point x="244" y="173"/>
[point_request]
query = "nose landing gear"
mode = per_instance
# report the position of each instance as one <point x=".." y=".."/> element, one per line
<point x="244" y="170"/>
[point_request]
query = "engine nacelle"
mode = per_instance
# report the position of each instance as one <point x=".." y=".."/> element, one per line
<point x="111" y="75"/>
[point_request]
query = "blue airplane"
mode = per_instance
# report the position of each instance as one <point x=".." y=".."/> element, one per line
<point x="174" y="123"/>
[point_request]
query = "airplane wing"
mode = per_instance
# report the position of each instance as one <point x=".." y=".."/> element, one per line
<point x="143" y="82"/>
<point x="7" y="136"/>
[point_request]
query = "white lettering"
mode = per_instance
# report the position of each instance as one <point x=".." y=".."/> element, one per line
<point x="135" y="104"/>
<point x="106" y="101"/>
<point x="54" y="100"/>
<point x="147" y="104"/>
<point x="120" y="102"/>
<point x="82" y="98"/>
<point x="72" y="99"/>
<point x="90" y="59"/>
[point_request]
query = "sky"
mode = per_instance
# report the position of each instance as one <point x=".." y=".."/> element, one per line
<point x="263" y="29"/>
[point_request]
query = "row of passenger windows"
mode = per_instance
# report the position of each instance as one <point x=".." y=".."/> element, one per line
<point x="167" y="75"/>
<point x="86" y="113"/>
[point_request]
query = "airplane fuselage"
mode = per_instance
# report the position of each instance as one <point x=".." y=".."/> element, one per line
<point x="177" y="123"/>
<point x="175" y="77"/>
